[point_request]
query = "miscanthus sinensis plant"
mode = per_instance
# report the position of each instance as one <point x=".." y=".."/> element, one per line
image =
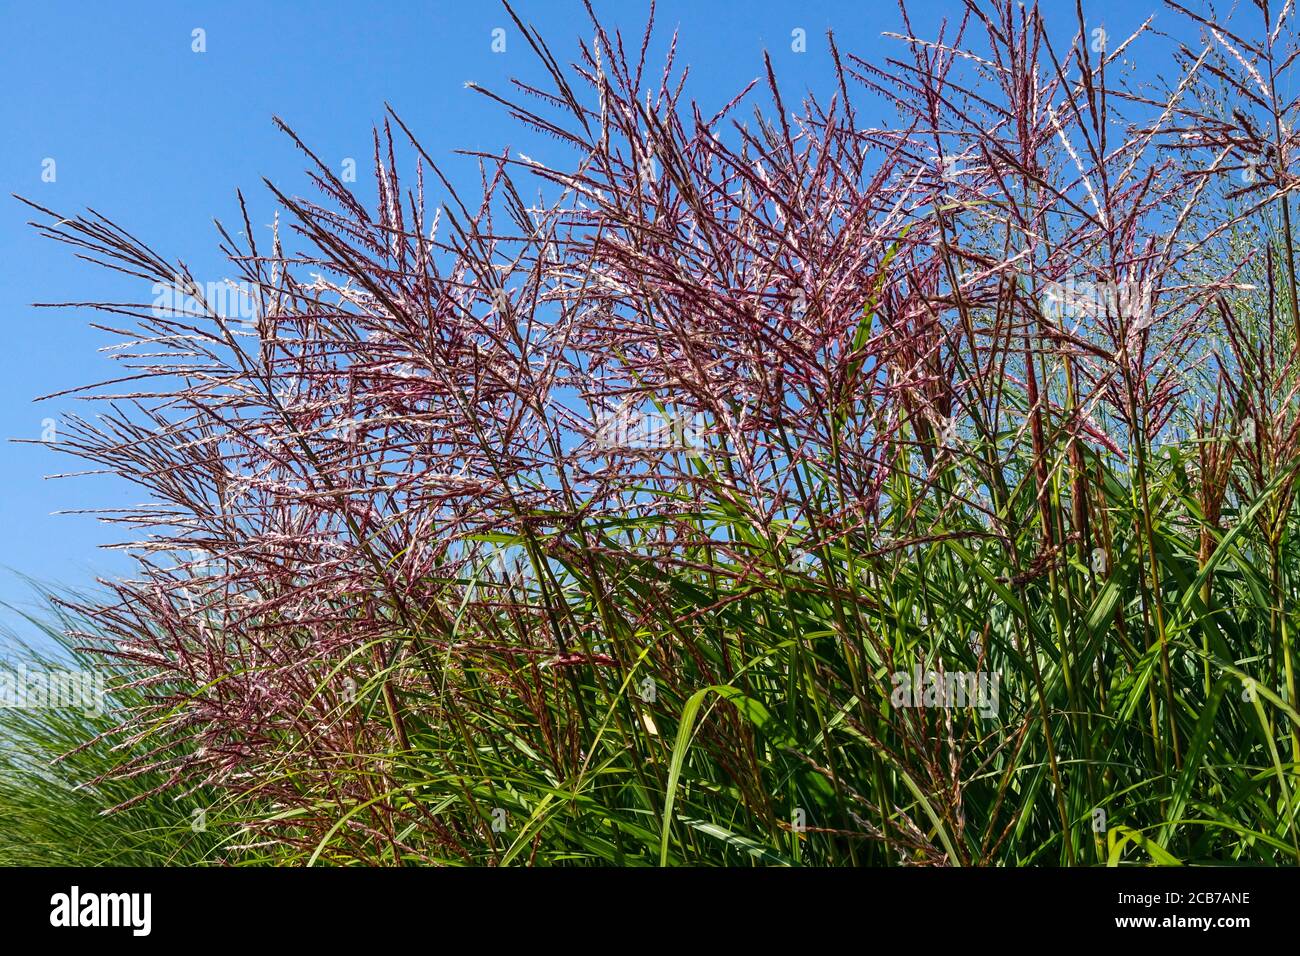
<point x="746" y="485"/>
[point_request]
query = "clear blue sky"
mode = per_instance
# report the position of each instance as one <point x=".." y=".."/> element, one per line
<point x="158" y="137"/>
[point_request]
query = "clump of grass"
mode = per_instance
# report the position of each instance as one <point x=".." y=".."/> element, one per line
<point x="58" y="757"/>
<point x="1001" y="392"/>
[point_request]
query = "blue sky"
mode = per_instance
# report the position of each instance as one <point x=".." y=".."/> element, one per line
<point x="158" y="137"/>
